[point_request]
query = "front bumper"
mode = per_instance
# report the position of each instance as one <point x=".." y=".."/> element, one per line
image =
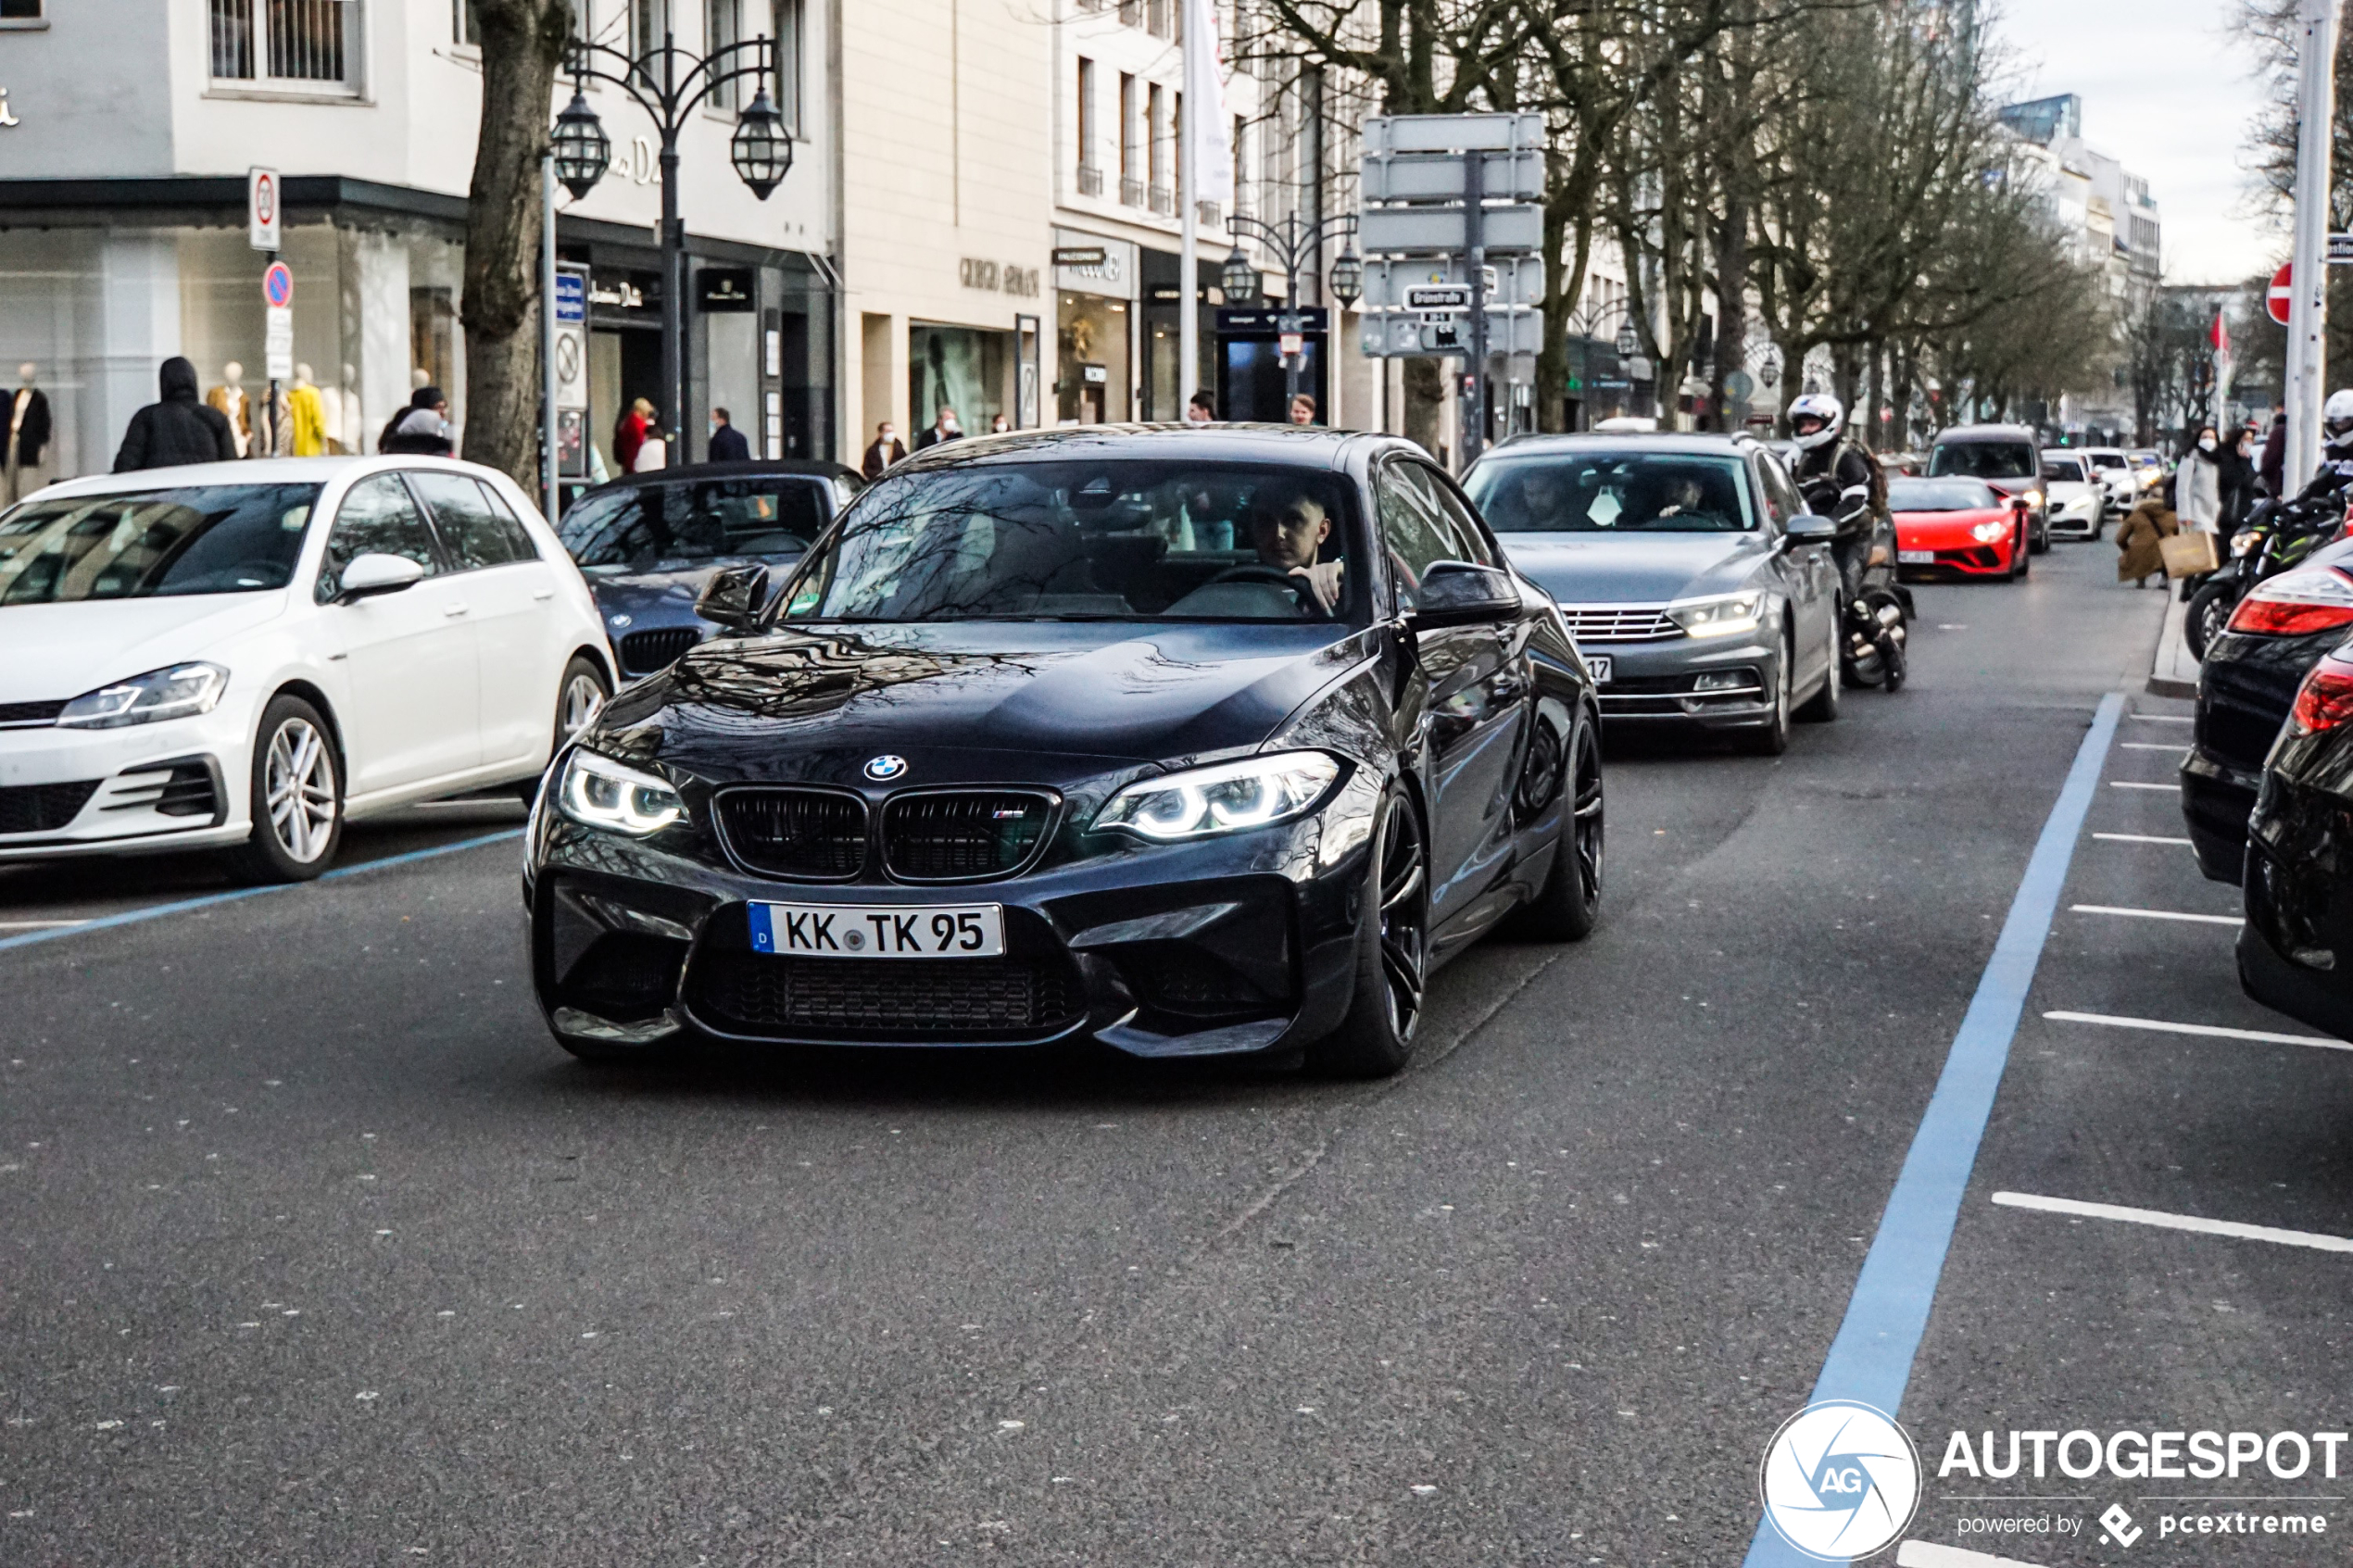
<point x="1955" y="553"/>
<point x="177" y="784"/>
<point x="1657" y="683"/>
<point x="1222" y="946"/>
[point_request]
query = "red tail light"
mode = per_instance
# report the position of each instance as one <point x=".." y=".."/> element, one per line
<point x="2325" y="700"/>
<point x="2296" y="604"/>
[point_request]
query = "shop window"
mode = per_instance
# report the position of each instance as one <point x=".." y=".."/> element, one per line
<point x="432" y="331"/>
<point x="791" y="33"/>
<point x="285" y="43"/>
<point x="1090" y="177"/>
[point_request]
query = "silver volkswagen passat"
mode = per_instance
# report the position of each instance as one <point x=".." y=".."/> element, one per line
<point x="1697" y="588"/>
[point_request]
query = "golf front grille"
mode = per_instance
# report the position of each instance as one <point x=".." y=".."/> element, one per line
<point x="886" y="999"/>
<point x="1618" y="623"/>
<point x="44" y="807"/>
<point x="644" y="653"/>
<point x="29" y="715"/>
<point x="806" y="834"/>
<point x="964" y="835"/>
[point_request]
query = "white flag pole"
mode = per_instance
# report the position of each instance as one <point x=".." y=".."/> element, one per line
<point x="1206" y="173"/>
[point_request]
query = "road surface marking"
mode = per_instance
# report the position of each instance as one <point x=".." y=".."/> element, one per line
<point x="1928" y="1554"/>
<point x="2122" y="745"/>
<point x="2129" y="783"/>
<point x="2163" y="1221"/>
<point x="38" y="924"/>
<point x="2155" y="915"/>
<point x="2211" y="1031"/>
<point x="2164" y="718"/>
<point x="157" y="912"/>
<point x="2140" y="839"/>
<point x="1871" y="1361"/>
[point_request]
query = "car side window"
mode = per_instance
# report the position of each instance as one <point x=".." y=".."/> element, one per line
<point x="1461" y="522"/>
<point x="377" y="516"/>
<point x="1411" y="533"/>
<point x="525" y="548"/>
<point x="475" y="535"/>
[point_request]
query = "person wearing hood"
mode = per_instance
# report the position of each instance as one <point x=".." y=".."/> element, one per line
<point x="421" y="429"/>
<point x="178" y="429"/>
<point x="2197" y="483"/>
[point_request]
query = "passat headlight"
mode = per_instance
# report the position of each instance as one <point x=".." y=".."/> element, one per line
<point x="179" y="692"/>
<point x="1989" y="531"/>
<point x="1226" y="798"/>
<point x="1719" y="615"/>
<point x="600" y="793"/>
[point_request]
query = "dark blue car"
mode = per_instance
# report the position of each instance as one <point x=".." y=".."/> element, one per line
<point x="648" y="543"/>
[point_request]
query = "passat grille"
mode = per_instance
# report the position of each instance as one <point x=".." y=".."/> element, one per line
<point x="44" y="807"/>
<point x="953" y="837"/>
<point x="867" y="999"/>
<point x="1618" y="623"/>
<point x="796" y="832"/>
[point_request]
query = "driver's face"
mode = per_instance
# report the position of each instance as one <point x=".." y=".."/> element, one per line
<point x="1289" y="533"/>
<point x="1807" y="426"/>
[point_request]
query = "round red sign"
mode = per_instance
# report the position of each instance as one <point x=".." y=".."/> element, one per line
<point x="2276" y="301"/>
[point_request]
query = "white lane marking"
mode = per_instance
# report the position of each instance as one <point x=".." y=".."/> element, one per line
<point x="2155" y="915"/>
<point x="2162" y="718"/>
<point x="2163" y="1221"/>
<point x="2213" y="1031"/>
<point x="2129" y="783"/>
<point x="1928" y="1554"/>
<point x="38" y="924"/>
<point x="2140" y="839"/>
<point x="2151" y="746"/>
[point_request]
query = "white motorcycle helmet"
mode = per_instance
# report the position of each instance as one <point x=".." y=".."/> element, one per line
<point x="2336" y="422"/>
<point x="1817" y="406"/>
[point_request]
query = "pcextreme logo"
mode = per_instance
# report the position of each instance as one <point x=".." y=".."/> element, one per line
<point x="1840" y="1480"/>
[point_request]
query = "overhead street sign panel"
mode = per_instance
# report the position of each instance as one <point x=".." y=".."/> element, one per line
<point x="1511" y="279"/>
<point x="1434" y="177"/>
<point x="1451" y="132"/>
<point x="1442" y="230"/>
<point x="1400" y="334"/>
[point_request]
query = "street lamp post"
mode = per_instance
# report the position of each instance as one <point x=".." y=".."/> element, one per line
<point x="1295" y="243"/>
<point x="670" y="84"/>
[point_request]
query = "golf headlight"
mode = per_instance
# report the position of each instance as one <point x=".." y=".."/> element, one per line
<point x="1987" y="532"/>
<point x="1719" y="615"/>
<point x="1228" y="798"/>
<point x="600" y="793"/>
<point x="2242" y="542"/>
<point x="179" y="692"/>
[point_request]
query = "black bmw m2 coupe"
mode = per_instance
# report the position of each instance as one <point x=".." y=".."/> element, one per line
<point x="1188" y="741"/>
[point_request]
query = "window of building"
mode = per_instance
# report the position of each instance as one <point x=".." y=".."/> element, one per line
<point x="723" y="23"/>
<point x="1162" y="24"/>
<point x="1131" y="174"/>
<point x="19" y="11"/>
<point x="1090" y="176"/>
<point x="649" y="24"/>
<point x="1242" y="166"/>
<point x="463" y="29"/>
<point x="1156" y="128"/>
<point x="306" y="44"/>
<point x="791" y="47"/>
<point x="1131" y="12"/>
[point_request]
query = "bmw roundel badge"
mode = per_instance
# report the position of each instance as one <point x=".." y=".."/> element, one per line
<point x="884" y="768"/>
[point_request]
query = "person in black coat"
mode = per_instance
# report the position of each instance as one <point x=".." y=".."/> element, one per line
<point x="404" y="433"/>
<point x="727" y="443"/>
<point x="178" y="429"/>
<point x="2238" y="480"/>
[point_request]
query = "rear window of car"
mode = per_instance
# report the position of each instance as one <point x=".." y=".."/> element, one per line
<point x="2108" y="460"/>
<point x="1606" y="492"/>
<point x="1939" y="495"/>
<point x="154" y="544"/>
<point x="2062" y="471"/>
<point x="1982" y="460"/>
<point x="681" y="522"/>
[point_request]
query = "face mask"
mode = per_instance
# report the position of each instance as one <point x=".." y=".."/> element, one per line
<point x="2206" y="443"/>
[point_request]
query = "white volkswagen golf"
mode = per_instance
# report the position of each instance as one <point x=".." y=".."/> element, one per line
<point x="247" y="654"/>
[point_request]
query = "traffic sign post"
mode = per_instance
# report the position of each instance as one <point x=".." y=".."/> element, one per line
<point x="265" y="231"/>
<point x="2278" y="299"/>
<point x="263" y="213"/>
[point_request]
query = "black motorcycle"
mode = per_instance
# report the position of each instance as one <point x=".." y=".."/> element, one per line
<point x="2277" y="536"/>
<point x="1879" y="616"/>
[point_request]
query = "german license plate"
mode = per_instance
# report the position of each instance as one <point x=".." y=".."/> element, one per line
<point x="1599" y="663"/>
<point x="1916" y="558"/>
<point x="904" y="930"/>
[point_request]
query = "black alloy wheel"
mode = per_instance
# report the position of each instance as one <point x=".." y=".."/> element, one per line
<point x="1565" y="909"/>
<point x="1393" y="953"/>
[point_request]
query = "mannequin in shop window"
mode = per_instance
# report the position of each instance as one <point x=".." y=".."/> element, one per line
<point x="231" y="399"/>
<point x="306" y="416"/>
<point x="28" y="437"/>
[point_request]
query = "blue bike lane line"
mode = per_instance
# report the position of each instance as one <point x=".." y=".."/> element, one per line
<point x="1871" y="1360"/>
<point x="231" y="896"/>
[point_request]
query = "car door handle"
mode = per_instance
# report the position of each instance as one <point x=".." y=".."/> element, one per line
<point x="454" y="611"/>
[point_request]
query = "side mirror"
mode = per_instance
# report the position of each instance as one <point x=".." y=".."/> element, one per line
<point x="1455" y="593"/>
<point x="735" y="598"/>
<point x="1807" y="528"/>
<point x="375" y="573"/>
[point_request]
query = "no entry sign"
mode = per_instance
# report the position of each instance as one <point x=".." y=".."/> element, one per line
<point x="2276" y="301"/>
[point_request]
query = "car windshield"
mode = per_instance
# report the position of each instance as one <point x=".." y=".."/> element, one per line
<point x="2108" y="460"/>
<point x="1939" y="495"/>
<point x="2062" y="471"/>
<point x="645" y="527"/>
<point x="1982" y="460"/>
<point x="1108" y="540"/>
<point x="152" y="544"/>
<point x="1613" y="492"/>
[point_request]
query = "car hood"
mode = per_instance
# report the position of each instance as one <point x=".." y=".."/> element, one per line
<point x="665" y="596"/>
<point x="1635" y="568"/>
<point x="49" y="651"/>
<point x="817" y="703"/>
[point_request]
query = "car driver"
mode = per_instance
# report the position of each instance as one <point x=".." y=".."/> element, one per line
<point x="1288" y="527"/>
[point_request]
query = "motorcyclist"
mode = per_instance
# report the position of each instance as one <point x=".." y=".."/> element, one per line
<point x="2335" y="473"/>
<point x="1840" y="481"/>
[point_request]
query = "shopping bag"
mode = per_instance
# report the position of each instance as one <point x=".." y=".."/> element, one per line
<point x="2189" y="554"/>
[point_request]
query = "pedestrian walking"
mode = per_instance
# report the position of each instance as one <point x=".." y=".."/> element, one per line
<point x="727" y="443"/>
<point x="943" y="429"/>
<point x="2237" y="465"/>
<point x="177" y="428"/>
<point x="2139" y="541"/>
<point x="2197" y="483"/>
<point x="631" y="431"/>
<point x="2268" y="468"/>
<point x="887" y="450"/>
<point x="1201" y="410"/>
<point x="999" y="425"/>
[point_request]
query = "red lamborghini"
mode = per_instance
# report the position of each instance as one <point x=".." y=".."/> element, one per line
<point x="1956" y="527"/>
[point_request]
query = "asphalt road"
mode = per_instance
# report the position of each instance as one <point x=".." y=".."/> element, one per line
<point x="314" y="1249"/>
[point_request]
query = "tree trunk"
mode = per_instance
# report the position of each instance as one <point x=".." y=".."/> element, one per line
<point x="1731" y="308"/>
<point x="522" y="43"/>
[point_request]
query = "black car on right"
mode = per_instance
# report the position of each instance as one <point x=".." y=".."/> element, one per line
<point x="2295" y="950"/>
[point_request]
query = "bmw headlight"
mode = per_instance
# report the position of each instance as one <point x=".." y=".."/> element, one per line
<point x="179" y="692"/>
<point x="600" y="793"/>
<point x="1988" y="532"/>
<point x="1228" y="798"/>
<point x="1719" y="615"/>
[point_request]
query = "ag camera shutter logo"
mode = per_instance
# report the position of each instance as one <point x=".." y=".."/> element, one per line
<point x="1840" y="1480"/>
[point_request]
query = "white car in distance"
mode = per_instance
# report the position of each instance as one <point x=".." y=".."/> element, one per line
<point x="2118" y="477"/>
<point x="2078" y="502"/>
<point x="246" y="656"/>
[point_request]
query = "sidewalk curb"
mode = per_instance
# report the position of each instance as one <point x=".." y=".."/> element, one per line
<point x="2172" y="672"/>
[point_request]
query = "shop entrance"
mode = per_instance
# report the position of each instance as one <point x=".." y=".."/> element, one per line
<point x="624" y="364"/>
